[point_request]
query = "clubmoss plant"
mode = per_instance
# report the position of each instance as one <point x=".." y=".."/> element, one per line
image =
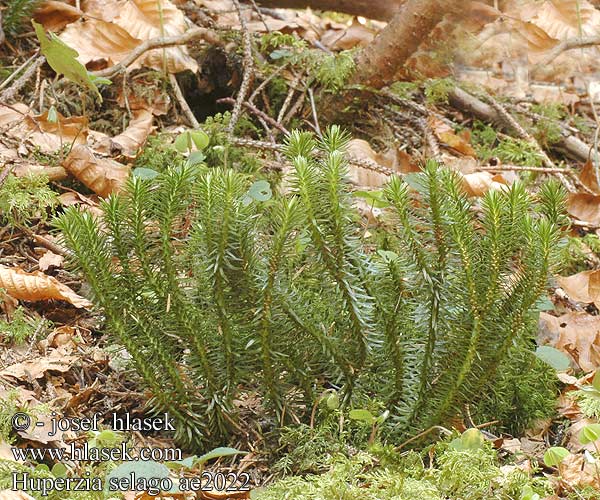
<point x="203" y="273"/>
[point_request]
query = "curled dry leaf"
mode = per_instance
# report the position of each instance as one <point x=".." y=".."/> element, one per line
<point x="582" y="287"/>
<point x="37" y="286"/>
<point x="54" y="15"/>
<point x="132" y="138"/>
<point x="575" y="333"/>
<point x="102" y="175"/>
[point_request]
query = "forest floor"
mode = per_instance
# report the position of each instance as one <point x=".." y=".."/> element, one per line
<point x="250" y="76"/>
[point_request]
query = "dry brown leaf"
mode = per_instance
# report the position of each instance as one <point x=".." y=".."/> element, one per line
<point x="582" y="287"/>
<point x="146" y="19"/>
<point x="52" y="173"/>
<point x="37" y="286"/>
<point x="446" y="134"/>
<point x="362" y="150"/>
<point x="12" y="113"/>
<point x="43" y="134"/>
<point x="585" y="207"/>
<point x="577" y="471"/>
<point x="588" y="177"/>
<point x="102" y="175"/>
<point x="132" y="138"/>
<point x="58" y="360"/>
<point x="355" y="35"/>
<point x="50" y="259"/>
<point x="54" y="15"/>
<point x="479" y="183"/>
<point x="575" y="333"/>
<point x="97" y="40"/>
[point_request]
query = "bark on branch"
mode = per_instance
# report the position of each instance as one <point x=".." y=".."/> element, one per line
<point x="379" y="62"/>
<point x="382" y="10"/>
<point x="568" y="44"/>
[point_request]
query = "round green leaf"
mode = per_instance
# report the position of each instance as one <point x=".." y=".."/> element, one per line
<point x="260" y="191"/>
<point x="589" y="434"/>
<point x="200" y="139"/>
<point x="183" y="142"/>
<point x="555" y="455"/>
<point x="333" y="401"/>
<point x="145" y="173"/>
<point x="59" y="470"/>
<point x="471" y="440"/>
<point x="555" y="358"/>
<point x="147" y="470"/>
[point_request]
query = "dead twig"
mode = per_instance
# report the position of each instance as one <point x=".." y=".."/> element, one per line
<point x="248" y="71"/>
<point x="257" y="112"/>
<point x="185" y="107"/>
<point x="20" y="82"/>
<point x="155" y="43"/>
<point x="568" y="44"/>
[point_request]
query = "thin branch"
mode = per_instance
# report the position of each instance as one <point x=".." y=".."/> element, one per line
<point x="248" y="71"/>
<point x="185" y="107"/>
<point x="194" y="34"/>
<point x="568" y="44"/>
<point x="257" y="112"/>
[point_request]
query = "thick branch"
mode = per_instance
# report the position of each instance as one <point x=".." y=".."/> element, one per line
<point x="379" y="62"/>
<point x="382" y="10"/>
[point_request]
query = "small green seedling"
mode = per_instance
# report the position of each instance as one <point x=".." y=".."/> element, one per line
<point x="555" y="455"/>
<point x="63" y="60"/>
<point x="366" y="416"/>
<point x="470" y="440"/>
<point x="529" y="494"/>
<point x="259" y="191"/>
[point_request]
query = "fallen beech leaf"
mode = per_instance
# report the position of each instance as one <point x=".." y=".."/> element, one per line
<point x="37" y="286"/>
<point x="585" y="207"/>
<point x="54" y="15"/>
<point x="582" y="287"/>
<point x="61" y="336"/>
<point x="479" y="183"/>
<point x="102" y="175"/>
<point x="446" y="134"/>
<point x="133" y="137"/>
<point x="145" y="19"/>
<point x="588" y="177"/>
<point x="50" y="259"/>
<point x="355" y="35"/>
<point x="362" y="150"/>
<point x="575" y="333"/>
<point x="98" y="40"/>
<point x="576" y="471"/>
<point x="36" y="368"/>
